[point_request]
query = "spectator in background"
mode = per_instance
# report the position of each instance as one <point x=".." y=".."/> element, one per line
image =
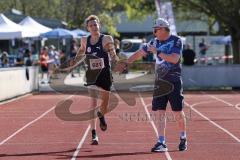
<point x="62" y="57"/>
<point x="53" y="61"/>
<point x="27" y="58"/>
<point x="188" y="55"/>
<point x="4" y="59"/>
<point x="202" y="51"/>
<point x="44" y="63"/>
<point x="19" y="62"/>
<point x="35" y="56"/>
<point x="19" y="59"/>
<point x="73" y="52"/>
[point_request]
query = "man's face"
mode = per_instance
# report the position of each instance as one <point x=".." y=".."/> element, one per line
<point x="160" y="33"/>
<point x="93" y="26"/>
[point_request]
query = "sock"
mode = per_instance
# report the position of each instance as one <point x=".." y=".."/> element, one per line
<point x="93" y="133"/>
<point x="99" y="114"/>
<point x="183" y="135"/>
<point x="161" y="139"/>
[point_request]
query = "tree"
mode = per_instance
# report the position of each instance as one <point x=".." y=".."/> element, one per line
<point x="72" y="11"/>
<point x="225" y="12"/>
<point x="43" y="8"/>
<point x="77" y="10"/>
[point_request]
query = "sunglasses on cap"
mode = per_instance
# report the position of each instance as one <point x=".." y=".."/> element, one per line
<point x="156" y="29"/>
<point x="160" y="28"/>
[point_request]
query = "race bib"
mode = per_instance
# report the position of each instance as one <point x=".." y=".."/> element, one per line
<point x="96" y="63"/>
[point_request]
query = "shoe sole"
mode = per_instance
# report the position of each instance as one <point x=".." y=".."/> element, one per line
<point x="159" y="150"/>
<point x="94" y="142"/>
<point x="183" y="149"/>
<point x="103" y="127"/>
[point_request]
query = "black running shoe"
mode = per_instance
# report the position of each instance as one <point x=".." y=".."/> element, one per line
<point x="103" y="124"/>
<point x="94" y="137"/>
<point x="183" y="144"/>
<point x="159" y="147"/>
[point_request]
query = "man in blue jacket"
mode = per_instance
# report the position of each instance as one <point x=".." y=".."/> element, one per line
<point x="167" y="48"/>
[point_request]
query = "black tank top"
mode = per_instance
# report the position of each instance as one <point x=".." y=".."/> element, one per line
<point x="96" y="51"/>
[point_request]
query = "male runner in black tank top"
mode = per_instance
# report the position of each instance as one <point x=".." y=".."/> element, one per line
<point x="98" y="60"/>
<point x="100" y="49"/>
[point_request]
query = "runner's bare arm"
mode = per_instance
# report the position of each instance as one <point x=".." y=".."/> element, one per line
<point x="81" y="51"/>
<point x="138" y="54"/>
<point x="108" y="46"/>
<point x="123" y="64"/>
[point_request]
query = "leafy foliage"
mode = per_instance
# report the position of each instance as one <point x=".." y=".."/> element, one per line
<point x="227" y="13"/>
<point x="74" y="12"/>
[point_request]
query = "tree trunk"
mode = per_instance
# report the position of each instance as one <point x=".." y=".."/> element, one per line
<point x="236" y="48"/>
<point x="227" y="53"/>
<point x="14" y="4"/>
<point x="23" y="8"/>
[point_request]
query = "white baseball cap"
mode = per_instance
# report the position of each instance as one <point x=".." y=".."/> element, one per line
<point x="160" y="22"/>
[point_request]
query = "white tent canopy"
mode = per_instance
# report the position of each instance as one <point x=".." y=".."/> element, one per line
<point x="9" y="29"/>
<point x="26" y="28"/>
<point x="33" y="28"/>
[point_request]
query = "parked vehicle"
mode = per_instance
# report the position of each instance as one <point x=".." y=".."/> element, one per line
<point x="129" y="46"/>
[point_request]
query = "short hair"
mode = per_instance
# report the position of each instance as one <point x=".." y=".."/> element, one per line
<point x="91" y="18"/>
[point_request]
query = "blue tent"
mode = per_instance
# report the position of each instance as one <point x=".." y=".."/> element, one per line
<point x="59" y="33"/>
<point x="80" y="32"/>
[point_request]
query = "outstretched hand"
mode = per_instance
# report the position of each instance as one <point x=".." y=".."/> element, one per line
<point x="121" y="66"/>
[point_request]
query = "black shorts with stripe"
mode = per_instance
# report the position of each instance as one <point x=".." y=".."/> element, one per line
<point x="175" y="98"/>
<point x="101" y="78"/>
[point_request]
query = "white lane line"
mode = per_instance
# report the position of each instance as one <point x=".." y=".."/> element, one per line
<point x="237" y="106"/>
<point x="223" y="101"/>
<point x="81" y="143"/>
<point x="15" y="99"/>
<point x="152" y="123"/>
<point x="30" y="123"/>
<point x="209" y="120"/>
<point x="235" y="92"/>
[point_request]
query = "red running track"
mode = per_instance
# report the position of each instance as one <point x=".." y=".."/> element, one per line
<point x="31" y="130"/>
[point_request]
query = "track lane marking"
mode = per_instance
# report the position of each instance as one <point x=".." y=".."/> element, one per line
<point x="237" y="106"/>
<point x="221" y="100"/>
<point x="152" y="123"/>
<point x="30" y="123"/>
<point x="75" y="154"/>
<point x="209" y="120"/>
<point x="206" y="118"/>
<point x="15" y="99"/>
